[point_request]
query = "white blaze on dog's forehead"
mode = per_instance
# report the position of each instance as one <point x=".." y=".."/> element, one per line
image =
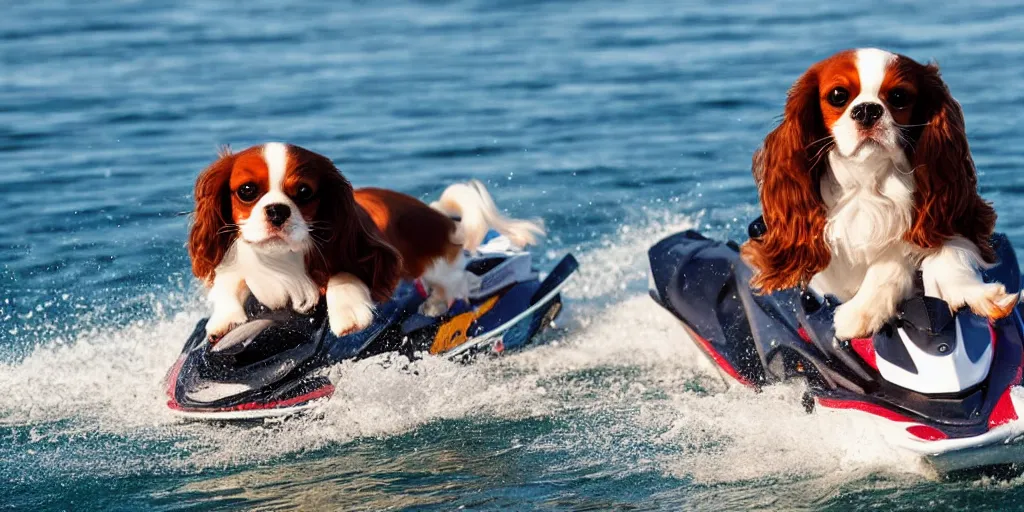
<point x="275" y="154"/>
<point x="257" y="228"/>
<point x="871" y="66"/>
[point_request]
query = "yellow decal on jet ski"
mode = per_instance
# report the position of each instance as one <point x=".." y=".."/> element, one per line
<point x="454" y="332"/>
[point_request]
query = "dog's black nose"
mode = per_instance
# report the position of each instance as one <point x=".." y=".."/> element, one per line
<point x="867" y="113"/>
<point x="277" y="213"/>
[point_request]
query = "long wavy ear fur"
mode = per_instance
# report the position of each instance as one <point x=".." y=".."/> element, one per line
<point x="946" y="199"/>
<point x="209" y="238"/>
<point x="348" y="239"/>
<point x="788" y="169"/>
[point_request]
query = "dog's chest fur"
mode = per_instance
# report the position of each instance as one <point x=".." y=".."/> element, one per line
<point x="870" y="208"/>
<point x="277" y="279"/>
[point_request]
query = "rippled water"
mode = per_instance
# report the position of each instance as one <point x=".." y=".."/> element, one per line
<point x="617" y="122"/>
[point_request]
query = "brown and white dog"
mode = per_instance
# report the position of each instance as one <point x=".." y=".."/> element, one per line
<point x="867" y="179"/>
<point x="281" y="223"/>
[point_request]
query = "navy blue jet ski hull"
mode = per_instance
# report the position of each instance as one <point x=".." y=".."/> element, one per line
<point x="272" y="365"/>
<point x="758" y="340"/>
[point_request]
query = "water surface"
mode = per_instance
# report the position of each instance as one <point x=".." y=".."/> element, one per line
<point x="617" y="122"/>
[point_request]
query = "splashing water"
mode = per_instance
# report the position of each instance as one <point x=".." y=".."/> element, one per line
<point x="620" y="382"/>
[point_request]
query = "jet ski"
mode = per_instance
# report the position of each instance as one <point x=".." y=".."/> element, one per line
<point x="943" y="385"/>
<point x="276" y="363"/>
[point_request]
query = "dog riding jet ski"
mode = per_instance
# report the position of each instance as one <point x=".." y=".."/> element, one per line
<point x="943" y="385"/>
<point x="275" y="364"/>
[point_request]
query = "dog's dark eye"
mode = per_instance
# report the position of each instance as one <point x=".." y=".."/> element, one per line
<point x="304" y="193"/>
<point x="899" y="98"/>
<point x="247" y="192"/>
<point x="838" y="97"/>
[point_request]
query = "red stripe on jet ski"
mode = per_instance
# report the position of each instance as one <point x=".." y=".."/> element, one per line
<point x="865" y="348"/>
<point x="920" y="431"/>
<point x="1003" y="412"/>
<point x="721" y="361"/>
<point x="803" y="335"/>
<point x="301" y="399"/>
<point x="877" y="410"/>
<point x="327" y="390"/>
<point x="927" y="433"/>
<point x="172" y="376"/>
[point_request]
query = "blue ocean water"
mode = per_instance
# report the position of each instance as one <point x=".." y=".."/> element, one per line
<point x="617" y="122"/>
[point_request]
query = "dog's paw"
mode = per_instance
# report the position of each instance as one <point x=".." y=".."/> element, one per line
<point x="855" y="321"/>
<point x="346" y="317"/>
<point x="434" y="306"/>
<point x="989" y="300"/>
<point x="349" y="306"/>
<point x="222" y="321"/>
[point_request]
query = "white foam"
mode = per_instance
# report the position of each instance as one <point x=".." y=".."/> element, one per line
<point x="666" y="394"/>
<point x="620" y="259"/>
<point x="102" y="374"/>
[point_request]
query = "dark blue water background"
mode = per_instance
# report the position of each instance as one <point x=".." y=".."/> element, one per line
<point x="616" y="122"/>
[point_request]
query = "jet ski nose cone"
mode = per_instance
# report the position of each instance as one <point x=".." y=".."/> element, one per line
<point x="927" y="314"/>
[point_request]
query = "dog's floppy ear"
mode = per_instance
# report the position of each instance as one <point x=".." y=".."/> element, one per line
<point x="347" y="238"/>
<point x="946" y="199"/>
<point x="788" y="169"/>
<point x="376" y="262"/>
<point x="209" y="237"/>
